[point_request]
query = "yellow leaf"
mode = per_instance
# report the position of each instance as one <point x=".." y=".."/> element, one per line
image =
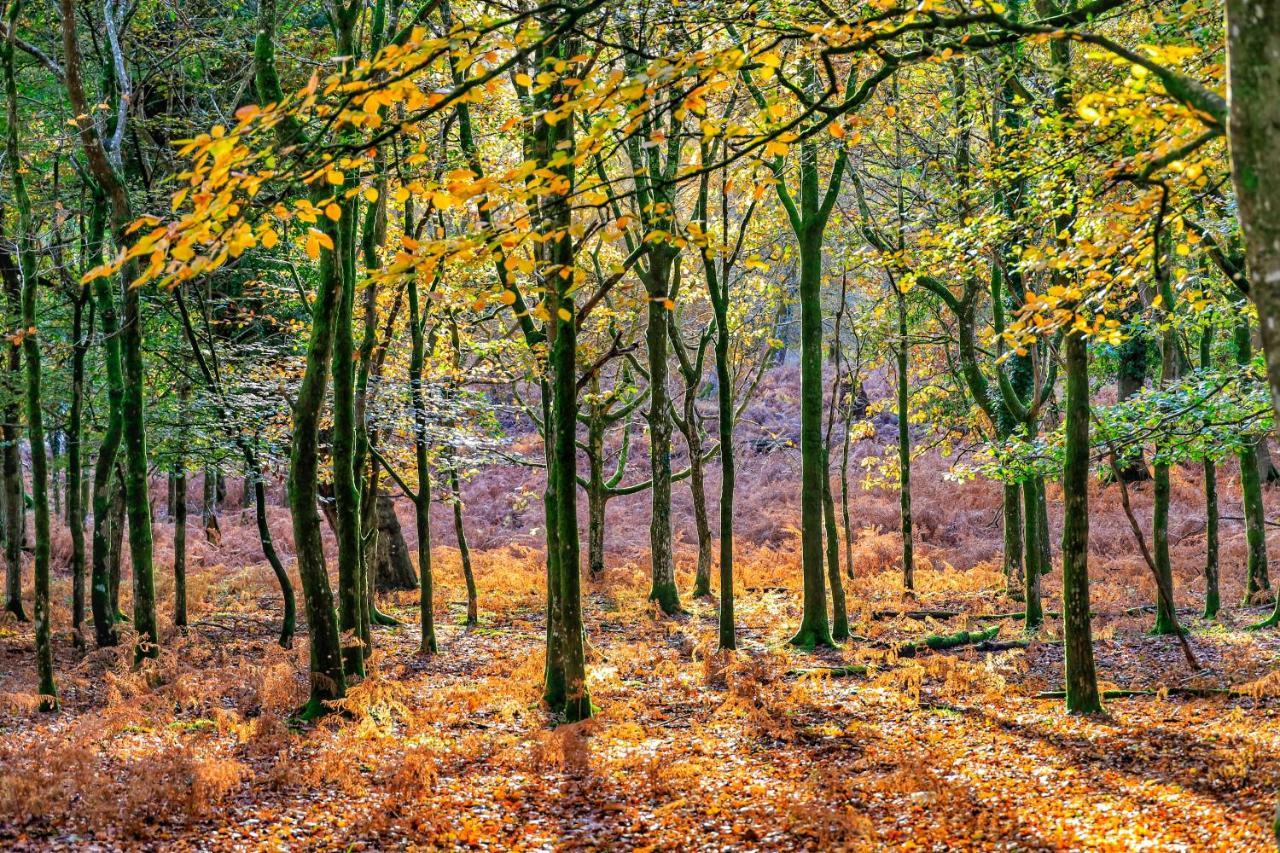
<point x="371" y="195"/>
<point x="332" y="211"/>
<point x="316" y="240"/>
<point x="335" y="177"/>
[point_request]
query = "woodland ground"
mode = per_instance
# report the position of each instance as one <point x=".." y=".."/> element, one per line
<point x="690" y="750"/>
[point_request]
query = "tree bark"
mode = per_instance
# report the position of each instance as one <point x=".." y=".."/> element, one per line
<point x="328" y="679"/>
<point x="1081" y="677"/>
<point x="392" y="567"/>
<point x="1253" y="84"/>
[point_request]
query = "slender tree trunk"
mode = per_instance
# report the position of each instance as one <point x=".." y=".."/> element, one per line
<point x="563" y="369"/>
<point x="597" y="496"/>
<point x="1131" y="376"/>
<point x="844" y="499"/>
<point x="1166" y="618"/>
<point x="662" y="561"/>
<point x="1212" y="597"/>
<point x="353" y="611"/>
<point x="180" y="547"/>
<point x="328" y="680"/>
<point x="421" y="447"/>
<point x="29" y="272"/>
<point x="75" y="464"/>
<point x="1031" y="555"/>
<point x="1012" y="513"/>
<point x="839" y="613"/>
<point x="137" y="482"/>
<point x="724" y="402"/>
<point x="289" y="621"/>
<point x="209" y="508"/>
<point x="698" y="491"/>
<point x="1042" y="528"/>
<point x="116" y="523"/>
<point x="904" y="451"/>
<point x="1256" y="574"/>
<point x="15" y="513"/>
<point x="464" y="550"/>
<point x="1081" y="677"/>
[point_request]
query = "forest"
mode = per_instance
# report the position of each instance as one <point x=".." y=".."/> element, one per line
<point x="656" y="425"/>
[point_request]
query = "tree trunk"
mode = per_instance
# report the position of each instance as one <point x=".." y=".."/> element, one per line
<point x="28" y="269"/>
<point x="839" y="614"/>
<point x="289" y="621"/>
<point x="662" y="563"/>
<point x="15" y="513"/>
<point x="392" y="568"/>
<point x="353" y="609"/>
<point x="328" y="680"/>
<point x="724" y="402"/>
<point x="566" y="654"/>
<point x="1043" y="533"/>
<point x="814" y="629"/>
<point x="1081" y="677"/>
<point x="1012" y="514"/>
<point x="1256" y="574"/>
<point x="75" y="463"/>
<point x="116" y="523"/>
<point x="137" y="482"/>
<point x="1166" y="617"/>
<point x="1131" y="376"/>
<point x="422" y="500"/>
<point x="464" y="550"/>
<point x="209" y="509"/>
<point x="698" y="491"/>
<point x="1031" y="555"/>
<point x="105" y="561"/>
<point x="904" y="452"/>
<point x="180" y="547"/>
<point x="597" y="495"/>
<point x="1253" y="83"/>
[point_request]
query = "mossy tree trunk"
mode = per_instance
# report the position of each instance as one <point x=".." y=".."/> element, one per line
<point x="28" y="268"/>
<point x="104" y="165"/>
<point x="1256" y="575"/>
<point x="1166" y="616"/>
<point x="1212" y="596"/>
<point x="75" y="448"/>
<point x="902" y="356"/>
<point x="328" y="679"/>
<point x="464" y="549"/>
<point x="1253" y="113"/>
<point x="180" y="546"/>
<point x="1077" y="630"/>
<point x="14" y="511"/>
<point x="421" y="448"/>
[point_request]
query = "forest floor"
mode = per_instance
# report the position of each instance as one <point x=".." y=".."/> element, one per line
<point x="690" y="750"/>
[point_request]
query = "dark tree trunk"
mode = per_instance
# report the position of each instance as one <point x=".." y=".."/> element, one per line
<point x="180" y="547"/>
<point x="393" y="570"/>
<point x="1081" y="677"/>
<point x="464" y="550"/>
